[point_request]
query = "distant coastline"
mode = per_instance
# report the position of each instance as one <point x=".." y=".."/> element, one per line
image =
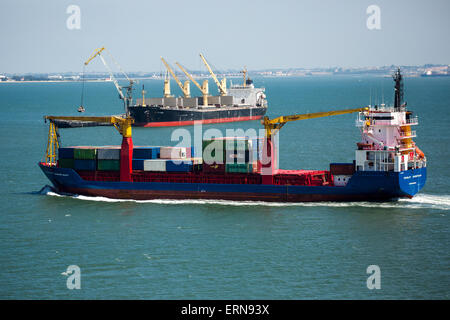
<point x="51" y="81"/>
<point x="428" y="70"/>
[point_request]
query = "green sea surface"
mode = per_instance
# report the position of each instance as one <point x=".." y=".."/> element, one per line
<point x="193" y="249"/>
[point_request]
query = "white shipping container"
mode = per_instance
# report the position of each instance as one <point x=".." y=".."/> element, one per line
<point x="155" y="165"/>
<point x="172" y="153"/>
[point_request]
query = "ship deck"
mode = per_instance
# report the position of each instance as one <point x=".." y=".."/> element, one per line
<point x="282" y="177"/>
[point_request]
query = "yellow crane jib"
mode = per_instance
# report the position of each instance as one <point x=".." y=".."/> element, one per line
<point x="203" y="88"/>
<point x="273" y="125"/>
<point x="184" y="88"/>
<point x="222" y="85"/>
<point x="123" y="125"/>
<point x="96" y="53"/>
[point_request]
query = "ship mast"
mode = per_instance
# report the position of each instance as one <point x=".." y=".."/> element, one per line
<point x="398" y="90"/>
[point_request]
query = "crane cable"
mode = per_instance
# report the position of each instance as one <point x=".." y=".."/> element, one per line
<point x="81" y="108"/>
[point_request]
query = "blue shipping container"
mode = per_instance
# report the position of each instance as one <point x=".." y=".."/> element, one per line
<point x="90" y="165"/>
<point x="65" y="153"/>
<point x="138" y="164"/>
<point x="146" y="153"/>
<point x="178" y="166"/>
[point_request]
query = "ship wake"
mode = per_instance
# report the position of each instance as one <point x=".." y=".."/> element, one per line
<point x="421" y="201"/>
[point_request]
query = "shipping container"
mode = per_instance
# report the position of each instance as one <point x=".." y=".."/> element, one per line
<point x="146" y="152"/>
<point x="229" y="150"/>
<point x="84" y="153"/>
<point x="178" y="166"/>
<point x="108" y="165"/>
<point x="213" y="151"/>
<point x="190" y="152"/>
<point x="155" y="165"/>
<point x="138" y="164"/>
<point x="238" y="168"/>
<point x="80" y="164"/>
<point x="229" y="143"/>
<point x="172" y="153"/>
<point x="239" y="156"/>
<point x="65" y="153"/>
<point x="196" y="160"/>
<point x="65" y="163"/>
<point x="108" y="153"/>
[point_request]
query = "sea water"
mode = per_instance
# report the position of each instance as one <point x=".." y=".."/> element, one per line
<point x="212" y="249"/>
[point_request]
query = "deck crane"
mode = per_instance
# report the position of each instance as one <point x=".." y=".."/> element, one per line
<point x="221" y="85"/>
<point x="184" y="88"/>
<point x="121" y="123"/>
<point x="126" y="99"/>
<point x="272" y="126"/>
<point x="244" y="71"/>
<point x="203" y="88"/>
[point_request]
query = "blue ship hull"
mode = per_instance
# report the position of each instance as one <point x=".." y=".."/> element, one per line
<point x="362" y="186"/>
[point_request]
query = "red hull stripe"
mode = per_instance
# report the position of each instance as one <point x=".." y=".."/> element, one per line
<point x="191" y="122"/>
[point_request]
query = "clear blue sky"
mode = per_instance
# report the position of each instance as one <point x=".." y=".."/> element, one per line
<point x="231" y="33"/>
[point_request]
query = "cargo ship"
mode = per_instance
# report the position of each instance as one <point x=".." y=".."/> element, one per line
<point x="241" y="102"/>
<point x="388" y="165"/>
<point x="244" y="103"/>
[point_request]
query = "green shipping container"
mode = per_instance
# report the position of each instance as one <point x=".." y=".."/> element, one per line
<point x="239" y="144"/>
<point x="220" y="146"/>
<point x="85" y="154"/>
<point x="108" y="165"/>
<point x="66" y="163"/>
<point x="228" y="144"/>
<point x="213" y="151"/>
<point x="238" y="167"/>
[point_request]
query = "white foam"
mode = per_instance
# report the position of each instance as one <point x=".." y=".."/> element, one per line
<point x="441" y="202"/>
<point x="421" y="201"/>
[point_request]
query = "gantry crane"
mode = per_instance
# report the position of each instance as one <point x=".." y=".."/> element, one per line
<point x="184" y="88"/>
<point x="203" y="88"/>
<point x="221" y="85"/>
<point x="272" y="126"/>
<point x="126" y="99"/>
<point x="123" y="126"/>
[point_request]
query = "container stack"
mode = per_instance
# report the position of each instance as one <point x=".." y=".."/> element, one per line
<point x="165" y="159"/>
<point x="108" y="159"/>
<point x="90" y="158"/>
<point x="230" y="155"/>
<point x="65" y="158"/>
<point x="158" y="159"/>
<point x="85" y="158"/>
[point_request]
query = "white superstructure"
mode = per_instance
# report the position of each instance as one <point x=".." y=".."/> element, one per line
<point x="386" y="137"/>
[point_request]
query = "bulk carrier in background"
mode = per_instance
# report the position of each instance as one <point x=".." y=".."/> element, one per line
<point x="387" y="165"/>
<point x="241" y="102"/>
<point x="237" y="103"/>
